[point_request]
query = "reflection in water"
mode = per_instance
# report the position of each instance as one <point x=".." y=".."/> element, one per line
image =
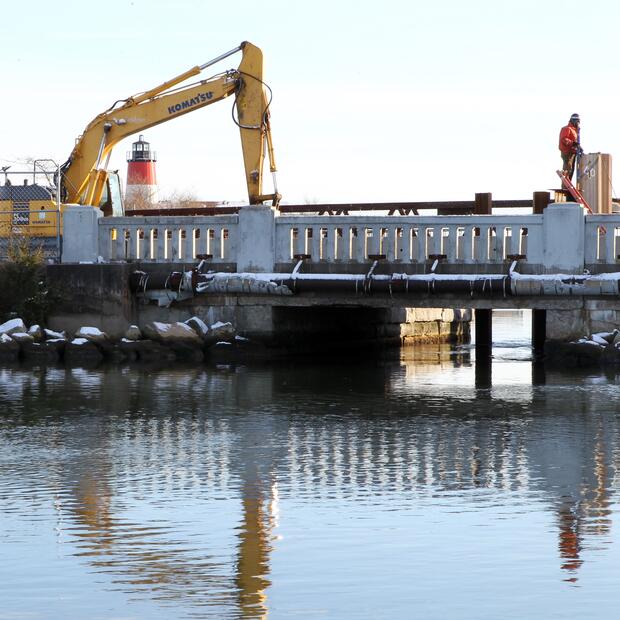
<point x="253" y="557"/>
<point x="212" y="492"/>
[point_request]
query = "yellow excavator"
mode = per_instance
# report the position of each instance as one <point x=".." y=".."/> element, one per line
<point x="84" y="178"/>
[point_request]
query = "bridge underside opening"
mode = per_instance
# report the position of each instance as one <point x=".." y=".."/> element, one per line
<point x="510" y="323"/>
<point x="325" y="328"/>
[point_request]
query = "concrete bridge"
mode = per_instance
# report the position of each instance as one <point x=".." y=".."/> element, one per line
<point x="273" y="267"/>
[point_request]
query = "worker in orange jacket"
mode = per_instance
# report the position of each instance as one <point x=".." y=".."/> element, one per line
<point x="569" y="145"/>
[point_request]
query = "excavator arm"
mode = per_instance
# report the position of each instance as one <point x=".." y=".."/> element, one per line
<point x="84" y="175"/>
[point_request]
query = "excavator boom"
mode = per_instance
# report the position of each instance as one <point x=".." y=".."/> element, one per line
<point x="84" y="175"/>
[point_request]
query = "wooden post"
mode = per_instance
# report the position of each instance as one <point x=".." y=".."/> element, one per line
<point x="484" y="344"/>
<point x="484" y="330"/>
<point x="539" y="373"/>
<point x="539" y="332"/>
<point x="540" y="202"/>
<point x="483" y="204"/>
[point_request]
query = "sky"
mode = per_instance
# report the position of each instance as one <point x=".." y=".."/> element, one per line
<point x="372" y="101"/>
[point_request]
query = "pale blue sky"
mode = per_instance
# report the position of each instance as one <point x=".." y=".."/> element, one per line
<point x="373" y="101"/>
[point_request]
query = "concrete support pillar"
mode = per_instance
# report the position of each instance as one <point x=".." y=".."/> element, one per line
<point x="80" y="234"/>
<point x="256" y="240"/>
<point x="539" y="332"/>
<point x="563" y="238"/>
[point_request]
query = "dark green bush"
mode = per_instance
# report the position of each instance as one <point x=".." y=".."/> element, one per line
<point x="24" y="292"/>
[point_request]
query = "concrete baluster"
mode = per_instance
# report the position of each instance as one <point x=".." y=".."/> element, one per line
<point x="398" y="239"/>
<point x="199" y="239"/>
<point x="449" y="243"/>
<point x="479" y="244"/>
<point x="420" y="244"/>
<point x="175" y="242"/>
<point x="410" y="236"/>
<point x="500" y="241"/>
<point x="149" y="245"/>
<point x="186" y="247"/>
<point x="314" y="244"/>
<point x="387" y="242"/>
<point x="467" y="244"/>
<point x="605" y="244"/>
<point x="162" y="243"/>
<point x="119" y="250"/>
<point x="432" y="233"/>
<point x="137" y="244"/>
<point x="523" y="240"/>
<point x="217" y="242"/>
<point x="105" y="242"/>
<point x="359" y="246"/>
<point x="330" y="249"/>
<point x="372" y="240"/>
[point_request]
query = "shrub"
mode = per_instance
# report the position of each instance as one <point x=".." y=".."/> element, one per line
<point x="24" y="291"/>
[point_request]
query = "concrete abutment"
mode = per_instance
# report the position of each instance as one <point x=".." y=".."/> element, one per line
<point x="99" y="295"/>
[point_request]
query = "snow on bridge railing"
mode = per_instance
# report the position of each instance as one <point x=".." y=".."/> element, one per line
<point x="168" y="239"/>
<point x="410" y="239"/>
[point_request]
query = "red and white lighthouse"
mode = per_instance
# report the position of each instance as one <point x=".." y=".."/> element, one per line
<point x="141" y="179"/>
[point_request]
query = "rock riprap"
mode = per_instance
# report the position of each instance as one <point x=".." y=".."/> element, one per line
<point x="155" y="342"/>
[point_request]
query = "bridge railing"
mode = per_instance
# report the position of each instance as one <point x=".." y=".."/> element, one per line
<point x="560" y="240"/>
<point x="602" y="239"/>
<point x="168" y="239"/>
<point x="410" y="239"/>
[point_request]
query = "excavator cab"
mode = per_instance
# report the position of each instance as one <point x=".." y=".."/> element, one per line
<point x="112" y="198"/>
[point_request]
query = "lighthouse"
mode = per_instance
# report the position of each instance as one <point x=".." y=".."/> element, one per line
<point x="141" y="189"/>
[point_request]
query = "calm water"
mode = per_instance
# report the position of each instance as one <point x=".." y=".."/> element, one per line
<point x="361" y="490"/>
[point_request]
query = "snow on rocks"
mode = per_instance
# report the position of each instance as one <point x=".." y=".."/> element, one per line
<point x="595" y="348"/>
<point x="133" y="333"/>
<point x="219" y="332"/>
<point x="91" y="334"/>
<point x="171" y="333"/>
<point x="52" y="335"/>
<point x="199" y="326"/>
<point x="156" y="342"/>
<point x="22" y="337"/>
<point x="13" y="326"/>
<point x="36" y="332"/>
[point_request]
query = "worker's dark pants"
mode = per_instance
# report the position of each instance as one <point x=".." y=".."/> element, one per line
<point x="568" y="166"/>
